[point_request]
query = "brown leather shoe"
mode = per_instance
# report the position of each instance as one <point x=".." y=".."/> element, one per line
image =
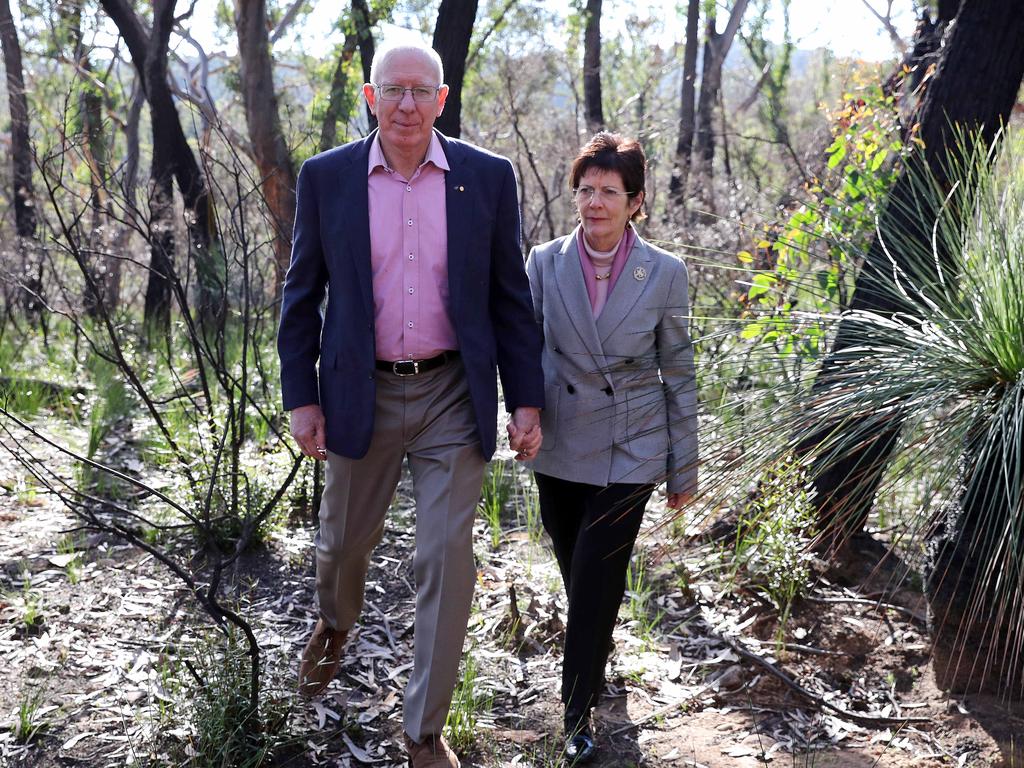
<point x="432" y="752"/>
<point x="320" y="658"/>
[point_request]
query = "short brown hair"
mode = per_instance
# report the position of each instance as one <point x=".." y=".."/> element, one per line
<point x="613" y="152"/>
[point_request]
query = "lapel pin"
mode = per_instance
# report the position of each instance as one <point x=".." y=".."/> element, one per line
<point x="639" y="273"/>
<point x="461" y="188"/>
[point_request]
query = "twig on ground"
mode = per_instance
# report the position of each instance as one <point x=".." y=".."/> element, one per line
<point x="870" y="720"/>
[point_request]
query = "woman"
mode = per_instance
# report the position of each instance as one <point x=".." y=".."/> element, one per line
<point x="620" y="413"/>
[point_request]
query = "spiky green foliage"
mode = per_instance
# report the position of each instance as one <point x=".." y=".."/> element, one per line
<point x="942" y="374"/>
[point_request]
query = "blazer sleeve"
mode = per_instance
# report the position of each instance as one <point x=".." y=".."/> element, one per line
<point x="533" y="273"/>
<point x="516" y="333"/>
<point x="298" y="336"/>
<point x="675" y="359"/>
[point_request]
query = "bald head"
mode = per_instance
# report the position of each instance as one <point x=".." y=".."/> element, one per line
<point x="384" y="55"/>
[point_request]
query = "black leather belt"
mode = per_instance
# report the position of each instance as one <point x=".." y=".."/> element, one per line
<point x="413" y="367"/>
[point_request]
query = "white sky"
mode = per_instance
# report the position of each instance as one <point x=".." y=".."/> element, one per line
<point x="847" y="27"/>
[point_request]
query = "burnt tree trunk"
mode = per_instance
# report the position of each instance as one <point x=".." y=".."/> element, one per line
<point x="716" y="48"/>
<point x="173" y="160"/>
<point x="592" y="108"/>
<point x="277" y="171"/>
<point x="363" y="22"/>
<point x="684" y="143"/>
<point x="452" y="33"/>
<point x="21" y="149"/>
<point x="21" y="166"/>
<point x="340" y="101"/>
<point x="973" y="90"/>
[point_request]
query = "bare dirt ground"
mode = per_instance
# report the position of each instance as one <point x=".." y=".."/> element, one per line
<point x="694" y="680"/>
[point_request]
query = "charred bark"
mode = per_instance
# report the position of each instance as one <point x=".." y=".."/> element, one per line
<point x="684" y="143"/>
<point x="592" y="107"/>
<point x="173" y="160"/>
<point x="452" y="33"/>
<point x="972" y="94"/>
<point x="716" y="48"/>
<point x="21" y="148"/>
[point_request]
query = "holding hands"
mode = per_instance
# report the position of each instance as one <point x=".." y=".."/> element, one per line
<point x="524" y="435"/>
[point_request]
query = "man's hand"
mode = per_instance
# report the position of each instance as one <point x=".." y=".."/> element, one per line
<point x="524" y="436"/>
<point x="309" y="432"/>
<point x="679" y="500"/>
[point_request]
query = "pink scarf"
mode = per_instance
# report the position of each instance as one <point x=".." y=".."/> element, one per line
<point x="598" y="290"/>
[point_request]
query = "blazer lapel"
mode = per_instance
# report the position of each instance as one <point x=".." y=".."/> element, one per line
<point x="354" y="203"/>
<point x="573" y="292"/>
<point x="636" y="275"/>
<point x="460" y="181"/>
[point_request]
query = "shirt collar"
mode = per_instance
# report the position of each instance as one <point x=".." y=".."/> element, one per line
<point x="435" y="155"/>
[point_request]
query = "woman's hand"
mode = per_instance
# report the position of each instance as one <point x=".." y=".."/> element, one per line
<point x="679" y="500"/>
<point x="524" y="436"/>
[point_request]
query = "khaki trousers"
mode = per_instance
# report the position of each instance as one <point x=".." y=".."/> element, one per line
<point x="428" y="419"/>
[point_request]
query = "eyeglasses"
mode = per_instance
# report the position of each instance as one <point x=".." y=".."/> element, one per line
<point x="420" y="93"/>
<point x="587" y="194"/>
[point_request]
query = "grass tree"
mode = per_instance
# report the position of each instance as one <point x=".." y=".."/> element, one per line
<point x="948" y="364"/>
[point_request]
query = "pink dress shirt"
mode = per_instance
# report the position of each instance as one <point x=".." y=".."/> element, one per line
<point x="409" y="257"/>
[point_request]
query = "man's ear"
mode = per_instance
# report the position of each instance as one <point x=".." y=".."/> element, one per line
<point x="370" y="94"/>
<point x="442" y="97"/>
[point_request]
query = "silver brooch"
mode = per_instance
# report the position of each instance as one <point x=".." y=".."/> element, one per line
<point x="639" y="273"/>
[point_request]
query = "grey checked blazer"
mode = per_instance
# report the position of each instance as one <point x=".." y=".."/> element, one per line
<point x="620" y="393"/>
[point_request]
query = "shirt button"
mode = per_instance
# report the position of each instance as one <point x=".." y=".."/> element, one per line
<point x="410" y="323"/>
<point x="410" y="257"/>
<point x="410" y="290"/>
<point x="408" y="189"/>
<point x="410" y="222"/>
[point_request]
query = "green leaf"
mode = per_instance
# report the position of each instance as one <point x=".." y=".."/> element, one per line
<point x="745" y="257"/>
<point x="836" y="156"/>
<point x="751" y="331"/>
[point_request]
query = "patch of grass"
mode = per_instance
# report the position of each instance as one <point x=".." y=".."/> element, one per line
<point x="497" y="489"/>
<point x="68" y="546"/>
<point x="29" y="723"/>
<point x="213" y="700"/>
<point x="467" y="705"/>
<point x="643" y="614"/>
<point x="529" y="508"/>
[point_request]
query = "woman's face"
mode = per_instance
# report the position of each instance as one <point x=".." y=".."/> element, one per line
<point x="604" y="207"/>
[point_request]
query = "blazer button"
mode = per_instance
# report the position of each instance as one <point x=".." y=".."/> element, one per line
<point x="609" y="391"/>
<point x="570" y="389"/>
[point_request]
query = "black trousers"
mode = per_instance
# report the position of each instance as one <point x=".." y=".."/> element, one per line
<point x="593" y="529"/>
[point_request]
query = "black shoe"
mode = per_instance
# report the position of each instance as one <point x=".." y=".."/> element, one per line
<point x="580" y="748"/>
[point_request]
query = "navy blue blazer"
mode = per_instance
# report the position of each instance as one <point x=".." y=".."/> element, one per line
<point x="491" y="307"/>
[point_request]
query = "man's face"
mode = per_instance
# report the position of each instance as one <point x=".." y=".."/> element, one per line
<point x="406" y="124"/>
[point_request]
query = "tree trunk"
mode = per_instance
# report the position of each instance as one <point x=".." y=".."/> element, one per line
<point x="593" y="111"/>
<point x="339" y="104"/>
<point x="173" y="158"/>
<point x="716" y="48"/>
<point x="973" y="90"/>
<point x="277" y="171"/>
<point x="684" y="143"/>
<point x="363" y="22"/>
<point x="21" y="148"/>
<point x="21" y="162"/>
<point x="452" y="34"/>
<point x="102" y="286"/>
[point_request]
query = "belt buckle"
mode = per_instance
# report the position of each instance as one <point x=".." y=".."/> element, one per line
<point x="415" y="364"/>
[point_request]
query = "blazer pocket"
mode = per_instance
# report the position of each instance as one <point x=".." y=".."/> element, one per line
<point x="646" y="423"/>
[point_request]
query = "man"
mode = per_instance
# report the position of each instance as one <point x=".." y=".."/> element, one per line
<point x="417" y="239"/>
